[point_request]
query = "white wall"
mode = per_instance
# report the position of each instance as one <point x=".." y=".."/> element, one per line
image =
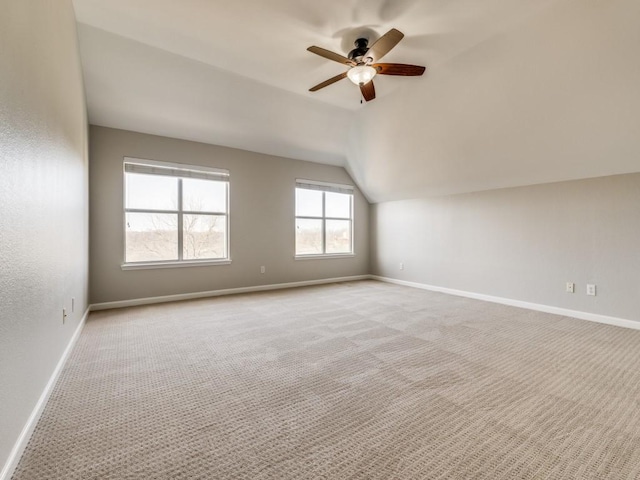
<point x="261" y="218"/>
<point x="43" y="202"/>
<point x="521" y="243"/>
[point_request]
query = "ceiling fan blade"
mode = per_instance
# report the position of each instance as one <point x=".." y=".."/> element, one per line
<point x="331" y="56"/>
<point x="368" y="91"/>
<point x="326" y="83"/>
<point x="384" y="44"/>
<point x="398" y="69"/>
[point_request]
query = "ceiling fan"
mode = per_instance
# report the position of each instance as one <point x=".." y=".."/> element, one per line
<point x="363" y="66"/>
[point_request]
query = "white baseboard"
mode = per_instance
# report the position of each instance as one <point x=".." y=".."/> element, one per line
<point x="25" y="435"/>
<point x="592" y="317"/>
<point x="227" y="291"/>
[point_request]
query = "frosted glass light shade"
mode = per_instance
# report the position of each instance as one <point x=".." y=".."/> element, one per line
<point x="361" y="74"/>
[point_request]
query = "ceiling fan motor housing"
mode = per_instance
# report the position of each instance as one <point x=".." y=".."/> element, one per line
<point x="358" y="53"/>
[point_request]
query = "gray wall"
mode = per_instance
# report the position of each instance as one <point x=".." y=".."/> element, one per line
<point x="521" y="243"/>
<point x="261" y="218"/>
<point x="43" y="202"/>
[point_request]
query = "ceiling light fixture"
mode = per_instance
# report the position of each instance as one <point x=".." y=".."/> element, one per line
<point x="363" y="63"/>
<point x="361" y="74"/>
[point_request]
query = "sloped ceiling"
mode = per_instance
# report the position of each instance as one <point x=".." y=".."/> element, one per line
<point x="136" y="87"/>
<point x="516" y="92"/>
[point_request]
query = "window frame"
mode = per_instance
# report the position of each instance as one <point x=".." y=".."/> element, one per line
<point x="179" y="212"/>
<point x="325" y="187"/>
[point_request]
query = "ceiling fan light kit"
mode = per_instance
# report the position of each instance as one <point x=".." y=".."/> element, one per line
<point x="361" y="74"/>
<point x="361" y="62"/>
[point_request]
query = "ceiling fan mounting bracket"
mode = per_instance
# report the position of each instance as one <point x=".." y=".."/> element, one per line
<point x="361" y="42"/>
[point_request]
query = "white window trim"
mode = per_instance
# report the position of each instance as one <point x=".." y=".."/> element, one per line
<point x="174" y="165"/>
<point x="326" y="187"/>
<point x="323" y="256"/>
<point x="174" y="263"/>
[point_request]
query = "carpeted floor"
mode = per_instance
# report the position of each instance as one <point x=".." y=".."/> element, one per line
<point x="360" y="380"/>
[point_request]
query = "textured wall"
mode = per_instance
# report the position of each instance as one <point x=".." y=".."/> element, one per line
<point x="521" y="243"/>
<point x="43" y="201"/>
<point x="261" y="219"/>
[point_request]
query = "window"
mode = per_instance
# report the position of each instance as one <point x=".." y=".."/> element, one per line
<point x="175" y="213"/>
<point x="324" y="219"/>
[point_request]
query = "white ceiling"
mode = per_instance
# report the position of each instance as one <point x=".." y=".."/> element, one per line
<point x="516" y="92"/>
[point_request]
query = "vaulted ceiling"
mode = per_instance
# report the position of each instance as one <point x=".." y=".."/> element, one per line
<point x="516" y="92"/>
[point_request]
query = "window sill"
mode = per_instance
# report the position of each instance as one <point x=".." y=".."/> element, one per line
<point x="323" y="256"/>
<point x="151" y="265"/>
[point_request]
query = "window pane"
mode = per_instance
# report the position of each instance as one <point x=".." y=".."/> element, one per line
<point x="204" y="195"/>
<point x="308" y="203"/>
<point x="151" y="192"/>
<point x="204" y="236"/>
<point x="338" y="237"/>
<point x="308" y="236"/>
<point x="151" y="237"/>
<point x="337" y="205"/>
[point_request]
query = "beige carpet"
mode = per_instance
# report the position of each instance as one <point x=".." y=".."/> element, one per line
<point x="360" y="380"/>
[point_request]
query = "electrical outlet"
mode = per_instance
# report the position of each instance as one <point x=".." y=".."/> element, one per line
<point x="402" y="266"/>
<point x="571" y="287"/>
<point x="263" y="269"/>
<point x="591" y="290"/>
